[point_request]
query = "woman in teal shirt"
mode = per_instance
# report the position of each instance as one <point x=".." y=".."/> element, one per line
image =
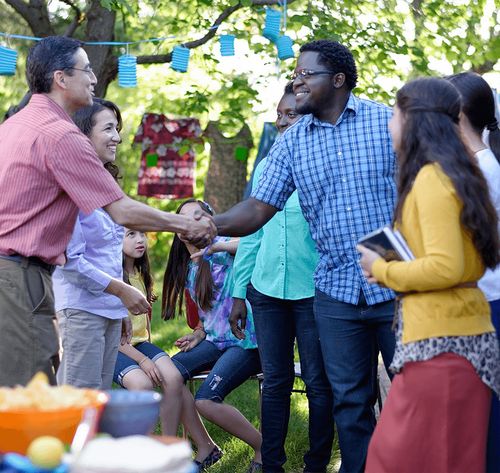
<point x="279" y="260"/>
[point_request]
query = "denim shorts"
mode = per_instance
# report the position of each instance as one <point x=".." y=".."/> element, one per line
<point x="229" y="368"/>
<point x="124" y="364"/>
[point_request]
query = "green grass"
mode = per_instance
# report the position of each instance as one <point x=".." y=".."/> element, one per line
<point x="237" y="454"/>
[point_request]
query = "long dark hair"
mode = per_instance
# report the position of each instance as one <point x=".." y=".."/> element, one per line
<point x="174" y="279"/>
<point x="143" y="267"/>
<point x="430" y="134"/>
<point x="478" y="105"/>
<point x="84" y="119"/>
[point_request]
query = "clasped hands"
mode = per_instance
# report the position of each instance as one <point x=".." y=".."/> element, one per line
<point x="201" y="231"/>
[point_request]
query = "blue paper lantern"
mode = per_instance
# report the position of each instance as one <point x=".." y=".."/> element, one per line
<point x="180" y="59"/>
<point x="226" y="44"/>
<point x="271" y="29"/>
<point x="284" y="45"/>
<point x="8" y="61"/>
<point x="127" y="71"/>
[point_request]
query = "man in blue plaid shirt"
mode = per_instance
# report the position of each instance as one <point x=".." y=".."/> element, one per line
<point x="339" y="157"/>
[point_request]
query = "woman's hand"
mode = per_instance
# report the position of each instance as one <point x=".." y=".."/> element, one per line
<point x="149" y="367"/>
<point x="126" y="331"/>
<point x="189" y="341"/>
<point x="366" y="262"/>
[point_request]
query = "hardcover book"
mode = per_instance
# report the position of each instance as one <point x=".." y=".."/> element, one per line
<point x="388" y="243"/>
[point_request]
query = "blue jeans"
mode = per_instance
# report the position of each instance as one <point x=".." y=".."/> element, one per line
<point x="229" y="368"/>
<point x="348" y="334"/>
<point x="277" y="323"/>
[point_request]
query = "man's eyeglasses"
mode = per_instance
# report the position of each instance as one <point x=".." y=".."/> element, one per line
<point x="306" y="74"/>
<point x="87" y="69"/>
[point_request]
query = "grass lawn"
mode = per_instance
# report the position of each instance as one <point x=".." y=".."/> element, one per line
<point x="237" y="454"/>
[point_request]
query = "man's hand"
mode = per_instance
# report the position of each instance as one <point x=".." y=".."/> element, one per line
<point x="126" y="331"/>
<point x="238" y="313"/>
<point x="201" y="230"/>
<point x="367" y="258"/>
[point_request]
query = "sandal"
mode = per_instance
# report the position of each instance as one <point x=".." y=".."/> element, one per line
<point x="254" y="467"/>
<point x="213" y="457"/>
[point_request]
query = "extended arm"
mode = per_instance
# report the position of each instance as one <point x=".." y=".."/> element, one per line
<point x="132" y="214"/>
<point x="244" y="218"/>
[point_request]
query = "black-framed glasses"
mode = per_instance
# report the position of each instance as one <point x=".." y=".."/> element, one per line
<point x="87" y="69"/>
<point x="307" y="73"/>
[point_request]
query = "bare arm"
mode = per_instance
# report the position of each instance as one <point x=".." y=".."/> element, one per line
<point x="138" y="216"/>
<point x="244" y="218"/>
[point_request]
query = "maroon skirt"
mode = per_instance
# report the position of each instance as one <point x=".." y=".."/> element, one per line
<point x="435" y="420"/>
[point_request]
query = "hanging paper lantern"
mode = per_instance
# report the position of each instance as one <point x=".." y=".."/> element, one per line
<point x="8" y="61"/>
<point x="226" y="45"/>
<point x="284" y="45"/>
<point x="180" y="59"/>
<point x="127" y="71"/>
<point x="271" y="29"/>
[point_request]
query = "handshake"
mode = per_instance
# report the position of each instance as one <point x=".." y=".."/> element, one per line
<point x="200" y="229"/>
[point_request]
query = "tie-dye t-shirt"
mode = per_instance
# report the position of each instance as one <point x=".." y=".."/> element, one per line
<point x="216" y="321"/>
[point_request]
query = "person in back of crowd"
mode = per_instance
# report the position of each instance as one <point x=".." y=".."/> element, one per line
<point x="478" y="115"/>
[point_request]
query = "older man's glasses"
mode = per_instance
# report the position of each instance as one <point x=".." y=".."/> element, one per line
<point x="307" y="73"/>
<point x="87" y="69"/>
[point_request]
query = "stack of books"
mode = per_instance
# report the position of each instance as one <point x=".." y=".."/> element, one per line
<point x="388" y="243"/>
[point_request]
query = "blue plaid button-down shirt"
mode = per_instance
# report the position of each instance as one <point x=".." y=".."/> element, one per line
<point x="344" y="174"/>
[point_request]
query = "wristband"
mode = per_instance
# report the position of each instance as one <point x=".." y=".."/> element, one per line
<point x="143" y="360"/>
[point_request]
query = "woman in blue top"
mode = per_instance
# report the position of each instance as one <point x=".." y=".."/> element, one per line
<point x="279" y="261"/>
<point x="91" y="298"/>
<point x="231" y="361"/>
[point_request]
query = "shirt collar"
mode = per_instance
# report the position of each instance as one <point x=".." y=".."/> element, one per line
<point x="352" y="104"/>
<point x="43" y="100"/>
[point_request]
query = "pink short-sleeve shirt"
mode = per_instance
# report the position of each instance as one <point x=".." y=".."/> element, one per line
<point x="48" y="170"/>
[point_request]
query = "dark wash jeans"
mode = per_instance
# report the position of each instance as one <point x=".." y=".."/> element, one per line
<point x="277" y="323"/>
<point x="348" y="335"/>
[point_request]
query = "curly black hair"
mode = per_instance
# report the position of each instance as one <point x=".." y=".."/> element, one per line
<point x="336" y="57"/>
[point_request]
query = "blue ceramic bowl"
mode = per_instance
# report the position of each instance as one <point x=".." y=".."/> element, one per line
<point x="130" y="412"/>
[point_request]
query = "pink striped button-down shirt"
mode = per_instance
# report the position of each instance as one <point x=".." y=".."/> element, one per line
<point x="48" y="170"/>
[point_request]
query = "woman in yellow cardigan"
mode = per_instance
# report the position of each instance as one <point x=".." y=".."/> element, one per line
<point x="447" y="357"/>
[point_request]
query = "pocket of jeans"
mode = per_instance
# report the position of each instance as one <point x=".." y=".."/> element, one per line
<point x="40" y="292"/>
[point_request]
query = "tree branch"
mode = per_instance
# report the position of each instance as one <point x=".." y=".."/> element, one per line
<point x="36" y="14"/>
<point x="162" y="58"/>
<point x="77" y="19"/>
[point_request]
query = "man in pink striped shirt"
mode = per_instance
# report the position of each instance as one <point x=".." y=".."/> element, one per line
<point x="49" y="170"/>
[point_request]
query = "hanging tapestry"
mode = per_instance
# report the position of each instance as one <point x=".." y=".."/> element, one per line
<point x="167" y="159"/>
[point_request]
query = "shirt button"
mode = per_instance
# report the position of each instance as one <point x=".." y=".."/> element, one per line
<point x="344" y="180"/>
<point x="348" y="208"/>
<point x="339" y="154"/>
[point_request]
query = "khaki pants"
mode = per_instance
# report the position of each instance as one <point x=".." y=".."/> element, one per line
<point x="28" y="338"/>
<point x="90" y="347"/>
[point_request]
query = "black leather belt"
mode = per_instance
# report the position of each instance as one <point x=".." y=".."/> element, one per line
<point x="27" y="260"/>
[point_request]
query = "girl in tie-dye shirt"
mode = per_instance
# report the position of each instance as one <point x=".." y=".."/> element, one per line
<point x="207" y="275"/>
